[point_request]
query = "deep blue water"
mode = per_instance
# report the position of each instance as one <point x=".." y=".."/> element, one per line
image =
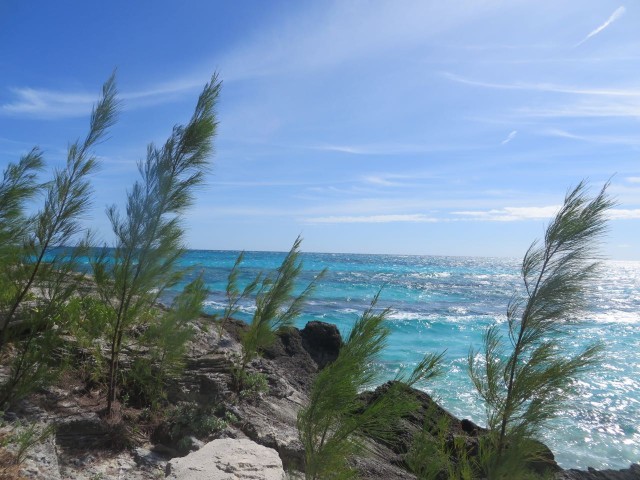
<point x="443" y="303"/>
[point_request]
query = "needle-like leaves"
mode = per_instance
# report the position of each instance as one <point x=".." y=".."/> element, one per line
<point x="149" y="237"/>
<point x="335" y="421"/>
<point x="26" y="247"/>
<point x="276" y="307"/>
<point x="524" y="384"/>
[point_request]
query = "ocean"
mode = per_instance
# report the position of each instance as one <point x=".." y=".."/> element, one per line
<point x="446" y="303"/>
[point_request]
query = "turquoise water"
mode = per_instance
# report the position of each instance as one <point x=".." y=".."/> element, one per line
<point x="443" y="303"/>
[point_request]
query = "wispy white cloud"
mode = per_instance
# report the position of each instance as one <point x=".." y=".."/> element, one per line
<point x="405" y="218"/>
<point x="51" y="104"/>
<point x="46" y="103"/>
<point x="587" y="109"/>
<point x="624" y="214"/>
<point x="384" y="181"/>
<point x="514" y="214"/>
<point x="412" y="178"/>
<point x="509" y="214"/>
<point x="335" y="33"/>
<point x="510" y="137"/>
<point x="604" y="139"/>
<point x="241" y="211"/>
<point x="546" y="87"/>
<point x="267" y="183"/>
<point x="391" y="148"/>
<point x="612" y="18"/>
<point x="346" y="149"/>
<point x="557" y="132"/>
<point x="633" y="179"/>
<point x="308" y="39"/>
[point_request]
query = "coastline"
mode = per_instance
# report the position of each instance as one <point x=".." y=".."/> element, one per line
<point x="84" y="447"/>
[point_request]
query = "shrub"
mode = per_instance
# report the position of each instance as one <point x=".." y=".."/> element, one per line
<point x="525" y="382"/>
<point x="333" y="425"/>
<point x="149" y="239"/>
<point x="187" y="420"/>
<point x="276" y="310"/>
<point x="28" y="259"/>
<point x="234" y="295"/>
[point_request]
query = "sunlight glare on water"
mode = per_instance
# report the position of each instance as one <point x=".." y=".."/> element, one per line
<point x="447" y="303"/>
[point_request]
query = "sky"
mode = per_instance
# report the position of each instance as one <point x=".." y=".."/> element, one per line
<point x="402" y="127"/>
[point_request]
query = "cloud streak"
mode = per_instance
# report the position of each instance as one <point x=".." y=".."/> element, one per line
<point x="48" y="104"/>
<point x="390" y="148"/>
<point x="590" y="138"/>
<point x="404" y="218"/>
<point x="510" y="137"/>
<point x="625" y="214"/>
<point x="515" y="214"/>
<point x="52" y="104"/>
<point x="612" y="18"/>
<point x="509" y="214"/>
<point x="545" y="87"/>
<point x="586" y="109"/>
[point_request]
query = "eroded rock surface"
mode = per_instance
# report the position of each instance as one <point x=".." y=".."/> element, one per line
<point x="228" y="459"/>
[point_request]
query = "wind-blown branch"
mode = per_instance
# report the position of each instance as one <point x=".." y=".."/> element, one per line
<point x="526" y="388"/>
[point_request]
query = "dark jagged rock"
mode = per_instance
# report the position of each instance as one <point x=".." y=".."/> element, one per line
<point x="294" y="362"/>
<point x="322" y="341"/>
<point x="427" y="416"/>
<point x="290" y="365"/>
<point x="631" y="473"/>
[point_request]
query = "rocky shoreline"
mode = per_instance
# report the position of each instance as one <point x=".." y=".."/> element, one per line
<point x="257" y="435"/>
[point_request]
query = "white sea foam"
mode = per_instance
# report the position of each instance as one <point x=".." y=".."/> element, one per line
<point x="615" y="316"/>
<point x="394" y="315"/>
<point x="458" y="310"/>
<point x="212" y="304"/>
<point x="426" y="276"/>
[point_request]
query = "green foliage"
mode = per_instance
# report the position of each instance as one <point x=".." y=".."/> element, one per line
<point x="234" y="295"/>
<point x="163" y="343"/>
<point x="19" y="184"/>
<point x="39" y="356"/>
<point x="333" y="424"/>
<point x="67" y="198"/>
<point x="437" y="454"/>
<point x="149" y="239"/>
<point x="27" y="259"/>
<point x="253" y="383"/>
<point x="525" y="383"/>
<point x="187" y="420"/>
<point x="20" y="437"/>
<point x="38" y="280"/>
<point x="276" y="309"/>
<point x="87" y="317"/>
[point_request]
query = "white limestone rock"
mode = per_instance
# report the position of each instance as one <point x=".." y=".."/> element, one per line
<point x="227" y="459"/>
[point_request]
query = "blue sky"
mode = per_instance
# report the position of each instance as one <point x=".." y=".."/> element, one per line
<point x="417" y="127"/>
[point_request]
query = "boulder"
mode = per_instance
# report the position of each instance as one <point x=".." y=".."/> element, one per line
<point x="291" y="362"/>
<point x="322" y="341"/>
<point x="227" y="459"/>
